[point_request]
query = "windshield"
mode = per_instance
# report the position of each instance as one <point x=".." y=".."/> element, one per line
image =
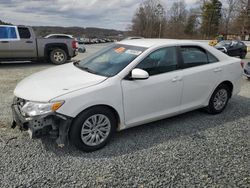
<point x="224" y="43"/>
<point x="111" y="60"/>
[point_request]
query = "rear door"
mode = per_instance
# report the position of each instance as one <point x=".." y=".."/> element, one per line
<point x="201" y="74"/>
<point x="7" y="34"/>
<point x="25" y="47"/>
<point x="234" y="49"/>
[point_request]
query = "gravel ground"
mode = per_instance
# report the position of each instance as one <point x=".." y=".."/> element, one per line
<point x="192" y="150"/>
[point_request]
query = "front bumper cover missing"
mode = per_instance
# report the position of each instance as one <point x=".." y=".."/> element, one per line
<point x="56" y="125"/>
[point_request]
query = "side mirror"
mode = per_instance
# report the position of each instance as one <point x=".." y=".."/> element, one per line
<point x="139" y="74"/>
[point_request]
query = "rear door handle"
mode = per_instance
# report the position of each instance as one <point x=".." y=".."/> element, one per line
<point x="218" y="70"/>
<point x="4" y="41"/>
<point x="29" y="41"/>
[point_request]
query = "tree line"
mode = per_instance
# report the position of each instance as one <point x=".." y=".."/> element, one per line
<point x="4" y="23"/>
<point x="207" y="19"/>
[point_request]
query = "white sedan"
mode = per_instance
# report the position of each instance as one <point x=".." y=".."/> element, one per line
<point x="129" y="83"/>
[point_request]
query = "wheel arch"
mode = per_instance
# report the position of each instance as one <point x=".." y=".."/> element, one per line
<point x="49" y="47"/>
<point x="112" y="109"/>
<point x="229" y="84"/>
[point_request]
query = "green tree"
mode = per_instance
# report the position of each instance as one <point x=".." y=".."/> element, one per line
<point x="4" y="23"/>
<point x="211" y="16"/>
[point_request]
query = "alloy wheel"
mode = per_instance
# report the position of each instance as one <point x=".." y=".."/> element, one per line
<point x="95" y="129"/>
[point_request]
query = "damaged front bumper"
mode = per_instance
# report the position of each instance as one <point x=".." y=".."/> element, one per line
<point x="54" y="124"/>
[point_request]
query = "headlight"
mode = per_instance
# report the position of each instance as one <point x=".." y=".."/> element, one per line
<point x="37" y="108"/>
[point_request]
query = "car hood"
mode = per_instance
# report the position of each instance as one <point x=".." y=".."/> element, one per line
<point x="48" y="84"/>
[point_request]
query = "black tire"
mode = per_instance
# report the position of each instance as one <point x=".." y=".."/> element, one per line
<point x="81" y="50"/>
<point x="75" y="134"/>
<point x="58" y="56"/>
<point x="211" y="108"/>
<point x="243" y="55"/>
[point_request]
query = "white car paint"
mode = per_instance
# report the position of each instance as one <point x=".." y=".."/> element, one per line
<point x="138" y="101"/>
<point x="51" y="83"/>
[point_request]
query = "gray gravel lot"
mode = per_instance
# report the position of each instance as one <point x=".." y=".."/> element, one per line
<point x="193" y="150"/>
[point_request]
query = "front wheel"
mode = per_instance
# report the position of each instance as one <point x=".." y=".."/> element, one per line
<point x="219" y="99"/>
<point x="58" y="56"/>
<point x="92" y="129"/>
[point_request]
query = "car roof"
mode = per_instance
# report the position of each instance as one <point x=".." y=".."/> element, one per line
<point x="50" y="35"/>
<point x="147" y="43"/>
<point x="154" y="43"/>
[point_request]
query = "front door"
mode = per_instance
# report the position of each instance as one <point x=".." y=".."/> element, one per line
<point x="25" y="47"/>
<point x="160" y="94"/>
<point x="7" y="34"/>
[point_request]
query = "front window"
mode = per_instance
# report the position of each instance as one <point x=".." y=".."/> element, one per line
<point x="8" y="33"/>
<point x="111" y="60"/>
<point x="160" y="61"/>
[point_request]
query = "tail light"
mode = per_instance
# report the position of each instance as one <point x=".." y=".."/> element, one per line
<point x="242" y="64"/>
<point x="74" y="44"/>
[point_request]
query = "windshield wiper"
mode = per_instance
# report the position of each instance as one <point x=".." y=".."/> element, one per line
<point x="88" y="70"/>
<point x="84" y="68"/>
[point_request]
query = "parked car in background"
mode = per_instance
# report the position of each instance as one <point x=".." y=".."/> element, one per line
<point x="81" y="48"/>
<point x="132" y="38"/>
<point x="59" y="36"/>
<point x="233" y="48"/>
<point x="129" y="83"/>
<point x="247" y="70"/>
<point x="19" y="43"/>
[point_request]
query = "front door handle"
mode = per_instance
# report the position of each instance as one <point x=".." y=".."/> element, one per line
<point x="4" y="41"/>
<point x="218" y="70"/>
<point x="177" y="78"/>
<point x="29" y="41"/>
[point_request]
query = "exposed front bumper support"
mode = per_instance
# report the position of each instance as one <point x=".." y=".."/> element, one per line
<point x="55" y="125"/>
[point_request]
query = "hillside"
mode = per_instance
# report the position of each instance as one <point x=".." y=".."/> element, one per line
<point x="88" y="32"/>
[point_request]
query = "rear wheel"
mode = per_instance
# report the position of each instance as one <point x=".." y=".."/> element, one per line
<point x="219" y="99"/>
<point x="243" y="55"/>
<point x="93" y="128"/>
<point x="58" y="56"/>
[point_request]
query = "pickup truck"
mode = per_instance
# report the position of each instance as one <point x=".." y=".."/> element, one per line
<point x="19" y="43"/>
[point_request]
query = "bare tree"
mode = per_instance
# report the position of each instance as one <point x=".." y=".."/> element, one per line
<point x="241" y="23"/>
<point x="177" y="19"/>
<point x="149" y="19"/>
<point x="229" y="12"/>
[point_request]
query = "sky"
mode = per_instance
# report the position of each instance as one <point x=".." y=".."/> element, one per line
<point x="110" y="14"/>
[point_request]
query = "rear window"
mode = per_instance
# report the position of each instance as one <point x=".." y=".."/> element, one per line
<point x="8" y="33"/>
<point x="195" y="56"/>
<point x="24" y="33"/>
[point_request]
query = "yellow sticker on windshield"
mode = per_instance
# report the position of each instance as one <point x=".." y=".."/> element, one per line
<point x="120" y="50"/>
